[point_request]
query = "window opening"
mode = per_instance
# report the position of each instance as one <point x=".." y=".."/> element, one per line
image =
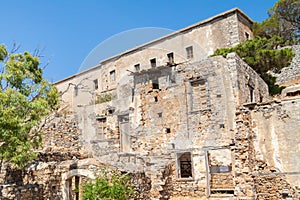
<point x="251" y="89"/>
<point x="124" y="132"/>
<point x="292" y="94"/>
<point x="77" y="187"/>
<point x="102" y="127"/>
<point x="96" y="84"/>
<point x="155" y="86"/>
<point x="153" y="62"/>
<point x="222" y="192"/>
<point x="168" y="130"/>
<point x="74" y="187"/>
<point x="170" y="58"/>
<point x="189" y="52"/>
<point x="184" y="162"/>
<point x="112" y="75"/>
<point x="137" y="67"/>
<point x="111" y="110"/>
<point x="247" y="35"/>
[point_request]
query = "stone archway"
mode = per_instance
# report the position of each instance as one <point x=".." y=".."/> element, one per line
<point x="67" y="180"/>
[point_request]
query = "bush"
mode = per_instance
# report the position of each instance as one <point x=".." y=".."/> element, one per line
<point x="109" y="186"/>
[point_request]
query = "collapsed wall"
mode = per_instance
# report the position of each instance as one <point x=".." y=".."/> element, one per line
<point x="256" y="175"/>
<point x="59" y="161"/>
<point x="62" y="165"/>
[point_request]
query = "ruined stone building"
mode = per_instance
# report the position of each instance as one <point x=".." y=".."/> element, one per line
<point x="190" y="125"/>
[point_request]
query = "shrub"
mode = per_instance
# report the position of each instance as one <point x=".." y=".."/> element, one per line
<point x="108" y="186"/>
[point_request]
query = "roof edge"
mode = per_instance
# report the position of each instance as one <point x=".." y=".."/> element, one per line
<point x="161" y="38"/>
<point x="178" y="32"/>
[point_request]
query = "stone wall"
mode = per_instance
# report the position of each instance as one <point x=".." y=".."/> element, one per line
<point x="60" y="153"/>
<point x="277" y="128"/>
<point x="224" y="30"/>
<point x="256" y="174"/>
<point x="291" y="75"/>
<point x="60" y="161"/>
<point x="157" y="117"/>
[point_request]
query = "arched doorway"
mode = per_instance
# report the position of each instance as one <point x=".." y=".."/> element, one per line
<point x="71" y="181"/>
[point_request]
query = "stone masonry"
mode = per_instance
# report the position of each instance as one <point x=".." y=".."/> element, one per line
<point x="185" y="125"/>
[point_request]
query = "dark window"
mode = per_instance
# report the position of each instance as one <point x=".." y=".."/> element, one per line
<point x="137" y="67"/>
<point x="170" y="58"/>
<point x="111" y="110"/>
<point x="247" y="35"/>
<point x="168" y="130"/>
<point x="96" y="84"/>
<point x="189" y="52"/>
<point x="153" y="62"/>
<point x="251" y="89"/>
<point x="77" y="183"/>
<point x="159" y="115"/>
<point x="112" y="75"/>
<point x="184" y="163"/>
<point x="222" y="192"/>
<point x="292" y="94"/>
<point x="155" y="86"/>
<point x="155" y="99"/>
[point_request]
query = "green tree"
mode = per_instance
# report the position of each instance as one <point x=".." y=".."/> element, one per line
<point x="25" y="97"/>
<point x="284" y="21"/>
<point x="109" y="186"/>
<point x="263" y="55"/>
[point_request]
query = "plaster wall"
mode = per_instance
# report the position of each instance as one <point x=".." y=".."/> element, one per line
<point x="277" y="137"/>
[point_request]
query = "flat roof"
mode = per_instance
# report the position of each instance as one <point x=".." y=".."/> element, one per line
<point x="233" y="10"/>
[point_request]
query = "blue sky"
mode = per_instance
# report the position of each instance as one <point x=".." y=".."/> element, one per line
<point x="66" y="31"/>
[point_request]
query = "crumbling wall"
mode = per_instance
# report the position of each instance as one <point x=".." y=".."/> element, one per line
<point x="255" y="175"/>
<point x="170" y="111"/>
<point x="170" y="126"/>
<point x="60" y="153"/>
<point x="248" y="85"/>
<point x="276" y="128"/>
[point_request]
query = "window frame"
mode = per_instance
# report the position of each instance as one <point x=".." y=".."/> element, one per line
<point x="112" y="75"/>
<point x="96" y="84"/>
<point x="189" y="52"/>
<point x="178" y="166"/>
<point x="137" y="67"/>
<point x="153" y="62"/>
<point x="171" y="58"/>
